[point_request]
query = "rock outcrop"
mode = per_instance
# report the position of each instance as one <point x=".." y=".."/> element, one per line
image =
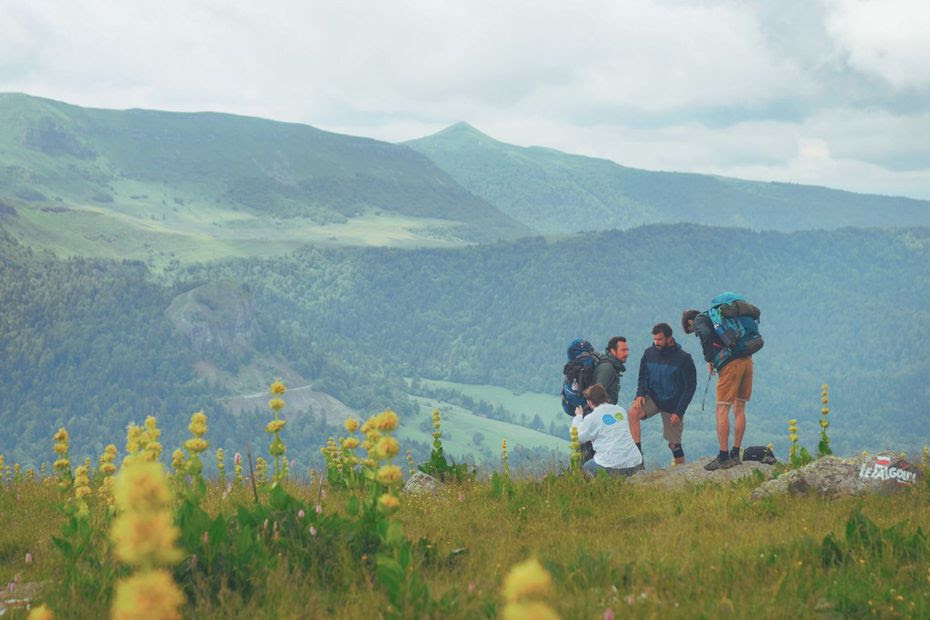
<point x="694" y="473"/>
<point x="832" y="476"/>
<point x="218" y="319"/>
<point x="421" y="484"/>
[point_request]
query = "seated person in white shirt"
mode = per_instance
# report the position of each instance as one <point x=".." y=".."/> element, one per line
<point x="608" y="429"/>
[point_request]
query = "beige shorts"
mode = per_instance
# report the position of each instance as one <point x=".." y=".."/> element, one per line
<point x="735" y="381"/>
<point x="671" y="432"/>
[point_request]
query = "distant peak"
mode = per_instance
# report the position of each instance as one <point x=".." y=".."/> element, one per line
<point x="460" y="131"/>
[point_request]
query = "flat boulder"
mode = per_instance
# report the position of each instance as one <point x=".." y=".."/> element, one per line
<point x="421" y="484"/>
<point x="833" y="476"/>
<point x="694" y="473"/>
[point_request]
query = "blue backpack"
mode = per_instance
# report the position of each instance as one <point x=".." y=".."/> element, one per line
<point x="578" y="375"/>
<point x="736" y="323"/>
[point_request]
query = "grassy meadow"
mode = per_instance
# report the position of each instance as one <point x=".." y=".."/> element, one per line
<point x="346" y="543"/>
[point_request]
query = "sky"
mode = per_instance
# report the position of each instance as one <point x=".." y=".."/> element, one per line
<point x="823" y="92"/>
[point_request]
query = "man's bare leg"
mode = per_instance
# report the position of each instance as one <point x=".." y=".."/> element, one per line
<point x="739" y="422"/>
<point x="723" y="427"/>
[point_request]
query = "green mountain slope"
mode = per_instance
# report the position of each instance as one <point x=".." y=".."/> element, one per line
<point x="556" y="193"/>
<point x="106" y="182"/>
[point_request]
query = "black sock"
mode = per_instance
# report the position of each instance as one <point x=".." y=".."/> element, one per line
<point x="640" y="446"/>
<point x="734" y="451"/>
<point x="724" y="455"/>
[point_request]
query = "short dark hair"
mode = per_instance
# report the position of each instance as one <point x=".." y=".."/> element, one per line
<point x="688" y="315"/>
<point x="596" y="394"/>
<point x="664" y="328"/>
<point x="612" y="343"/>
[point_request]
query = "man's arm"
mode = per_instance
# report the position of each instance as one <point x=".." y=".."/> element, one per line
<point x="603" y="372"/>
<point x="586" y="427"/>
<point x="705" y="331"/>
<point x="689" y="375"/>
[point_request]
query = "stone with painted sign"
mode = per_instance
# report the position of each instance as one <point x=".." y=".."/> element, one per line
<point x="831" y="476"/>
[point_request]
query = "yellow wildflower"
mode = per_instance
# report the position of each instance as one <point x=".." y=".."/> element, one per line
<point x="42" y="612"/>
<point x="60" y="448"/>
<point x="143" y="539"/>
<point x="196" y="445"/>
<point x="388" y="502"/>
<point x="147" y="596"/>
<point x="529" y="611"/>
<point x="351" y="443"/>
<point x="388" y="447"/>
<point x="142" y="487"/>
<point x="276" y="403"/>
<point x="793" y="437"/>
<point x="274" y="426"/>
<point x="390" y="474"/>
<point x="385" y="421"/>
<point x="351" y="425"/>
<point x="61" y="435"/>
<point x="792" y="422"/>
<point x="198" y="425"/>
<point x="527" y="579"/>
<point x="62" y="464"/>
<point x="177" y="459"/>
<point x="825" y="410"/>
<point x="278" y="387"/>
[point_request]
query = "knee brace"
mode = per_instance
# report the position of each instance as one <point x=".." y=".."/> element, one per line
<point x="677" y="452"/>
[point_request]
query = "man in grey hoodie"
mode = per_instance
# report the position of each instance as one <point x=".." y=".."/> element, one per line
<point x="611" y="368"/>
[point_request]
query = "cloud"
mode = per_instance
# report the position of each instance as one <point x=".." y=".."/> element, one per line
<point x="716" y="86"/>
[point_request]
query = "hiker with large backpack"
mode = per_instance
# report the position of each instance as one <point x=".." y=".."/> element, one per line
<point x="577" y="376"/>
<point x="729" y="334"/>
<point x="611" y="367"/>
<point x="667" y="380"/>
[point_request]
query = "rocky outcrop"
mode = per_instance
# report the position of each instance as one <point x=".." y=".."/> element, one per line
<point x="421" y="484"/>
<point x="694" y="473"/>
<point x="832" y="476"/>
<point x="218" y="319"/>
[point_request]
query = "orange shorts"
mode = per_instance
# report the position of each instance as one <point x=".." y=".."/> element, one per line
<point x="735" y="381"/>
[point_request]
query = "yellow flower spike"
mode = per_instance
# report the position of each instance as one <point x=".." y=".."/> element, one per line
<point x="389" y="475"/>
<point x="274" y="426"/>
<point x="42" y="612"/>
<point x="278" y="387"/>
<point x="61" y="435"/>
<point x="388" y="502"/>
<point x="824" y="400"/>
<point x="276" y="404"/>
<point x="142" y="488"/>
<point x="388" y="447"/>
<point x="177" y="460"/>
<point x="196" y="445"/>
<point x="150" y="594"/>
<point x="825" y="411"/>
<point x="350" y="444"/>
<point x="62" y="464"/>
<point x="824" y="387"/>
<point x="526" y="579"/>
<point x="533" y="610"/>
<point x="793" y="437"/>
<point x="143" y="539"/>
<point x="198" y="425"/>
<point x="351" y="425"/>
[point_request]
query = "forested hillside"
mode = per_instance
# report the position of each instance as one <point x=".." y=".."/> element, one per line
<point x="555" y="192"/>
<point x="502" y="314"/>
<point x="87" y="343"/>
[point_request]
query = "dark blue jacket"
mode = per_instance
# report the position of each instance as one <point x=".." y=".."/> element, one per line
<point x="667" y="377"/>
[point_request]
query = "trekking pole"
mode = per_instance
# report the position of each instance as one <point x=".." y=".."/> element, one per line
<point x="704" y="402"/>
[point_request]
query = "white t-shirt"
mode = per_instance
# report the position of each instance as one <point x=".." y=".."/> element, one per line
<point x="608" y="430"/>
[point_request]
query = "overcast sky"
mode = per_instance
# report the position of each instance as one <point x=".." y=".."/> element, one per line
<point x="831" y="92"/>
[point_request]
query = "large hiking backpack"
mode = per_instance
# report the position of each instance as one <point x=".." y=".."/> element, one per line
<point x="578" y="374"/>
<point x="736" y="323"/>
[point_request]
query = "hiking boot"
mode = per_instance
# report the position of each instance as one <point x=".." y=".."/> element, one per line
<point x="719" y="463"/>
<point x="734" y="455"/>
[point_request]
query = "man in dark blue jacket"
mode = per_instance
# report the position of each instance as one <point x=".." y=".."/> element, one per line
<point x="667" y="380"/>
